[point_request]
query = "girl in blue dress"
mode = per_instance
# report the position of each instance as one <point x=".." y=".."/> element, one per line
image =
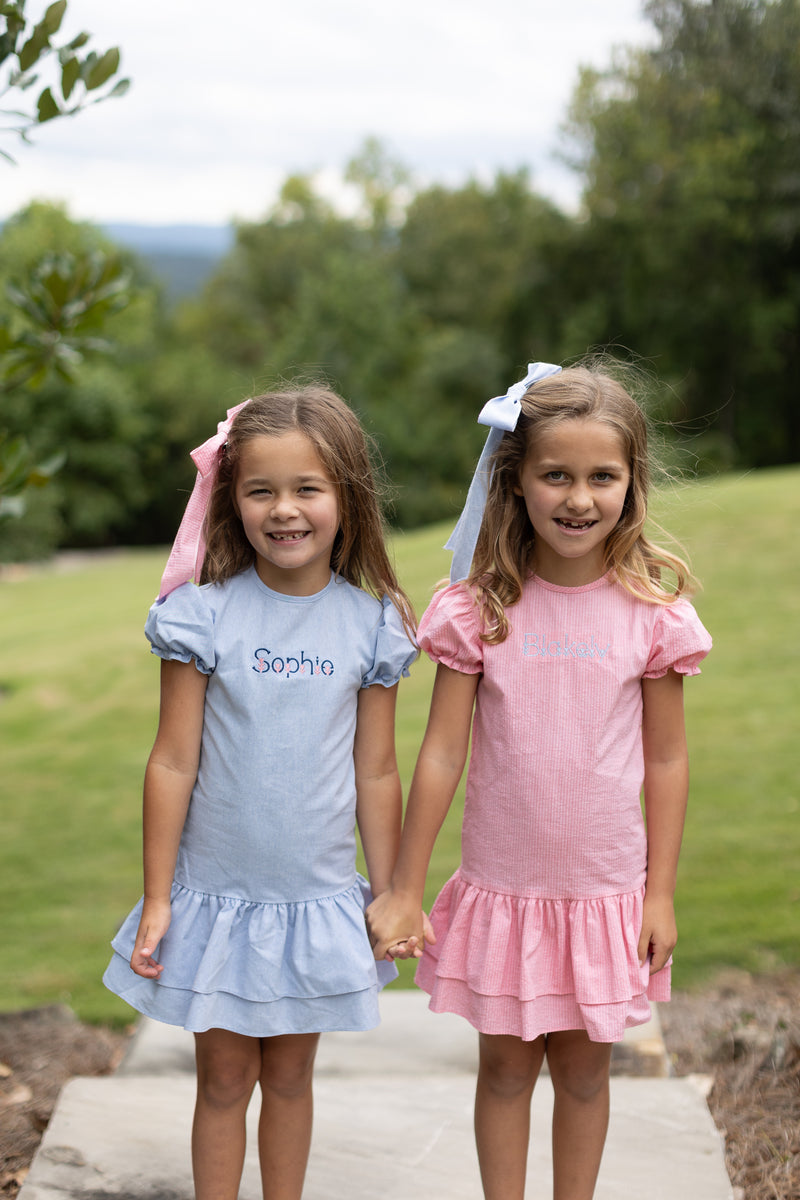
<point x="275" y="738"/>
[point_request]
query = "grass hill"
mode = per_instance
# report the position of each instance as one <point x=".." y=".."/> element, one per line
<point x="78" y="697"/>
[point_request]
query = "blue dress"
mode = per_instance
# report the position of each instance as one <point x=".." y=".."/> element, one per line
<point x="267" y="934"/>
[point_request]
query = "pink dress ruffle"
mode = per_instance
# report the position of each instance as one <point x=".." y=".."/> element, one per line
<point x="525" y="966"/>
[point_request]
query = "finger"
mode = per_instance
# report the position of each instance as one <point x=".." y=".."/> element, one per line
<point x="644" y="948"/>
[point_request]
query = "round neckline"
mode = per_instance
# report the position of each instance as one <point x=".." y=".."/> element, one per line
<point x="286" y="597"/>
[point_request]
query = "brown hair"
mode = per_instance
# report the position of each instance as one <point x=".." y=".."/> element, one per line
<point x="359" y="552"/>
<point x="506" y="547"/>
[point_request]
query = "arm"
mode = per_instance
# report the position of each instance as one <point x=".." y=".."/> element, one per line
<point x="666" y="788"/>
<point x="168" y="782"/>
<point x="379" y="805"/>
<point x="396" y="915"/>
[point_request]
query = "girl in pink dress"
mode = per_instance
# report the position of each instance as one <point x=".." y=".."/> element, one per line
<point x="561" y="651"/>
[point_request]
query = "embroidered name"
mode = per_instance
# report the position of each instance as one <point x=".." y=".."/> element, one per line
<point x="290" y="664"/>
<point x="536" y="645"/>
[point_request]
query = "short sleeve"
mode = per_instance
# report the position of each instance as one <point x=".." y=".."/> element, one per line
<point x="394" y="649"/>
<point x="450" y="630"/>
<point x="680" y="641"/>
<point x="182" y="627"/>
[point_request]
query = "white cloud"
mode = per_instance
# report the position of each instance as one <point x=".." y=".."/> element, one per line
<point x="222" y="109"/>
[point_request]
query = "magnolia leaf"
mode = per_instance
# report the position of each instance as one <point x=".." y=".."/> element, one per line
<point x="103" y="69"/>
<point x="70" y="74"/>
<point x="119" y="89"/>
<point x="33" y="48"/>
<point x="54" y="16"/>
<point x="47" y="107"/>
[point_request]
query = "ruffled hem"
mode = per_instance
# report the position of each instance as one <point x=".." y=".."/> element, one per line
<point x="527" y="965"/>
<point x="257" y="968"/>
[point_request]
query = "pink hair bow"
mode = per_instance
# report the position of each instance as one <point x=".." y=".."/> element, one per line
<point x="189" y="548"/>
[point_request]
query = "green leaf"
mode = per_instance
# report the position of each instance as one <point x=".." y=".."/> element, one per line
<point x="103" y="69"/>
<point x="119" y="89"/>
<point x="47" y="107"/>
<point x="70" y="74"/>
<point x="78" y="42"/>
<point x="32" y="50"/>
<point x="54" y="16"/>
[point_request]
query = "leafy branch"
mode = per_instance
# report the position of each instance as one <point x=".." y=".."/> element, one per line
<point x="26" y="48"/>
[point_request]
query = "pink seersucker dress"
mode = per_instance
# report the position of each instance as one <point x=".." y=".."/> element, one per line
<point x="537" y="931"/>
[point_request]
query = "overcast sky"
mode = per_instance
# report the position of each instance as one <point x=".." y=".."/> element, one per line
<point x="228" y="99"/>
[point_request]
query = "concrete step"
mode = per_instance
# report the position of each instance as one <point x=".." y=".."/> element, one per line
<point x="393" y="1121"/>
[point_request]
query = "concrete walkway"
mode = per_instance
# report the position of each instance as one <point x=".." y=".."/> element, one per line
<point x="393" y="1121"/>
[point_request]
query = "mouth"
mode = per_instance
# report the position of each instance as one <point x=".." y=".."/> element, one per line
<point x="574" y="526"/>
<point x="284" y="538"/>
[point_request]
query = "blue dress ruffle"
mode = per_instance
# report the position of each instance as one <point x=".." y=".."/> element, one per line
<point x="257" y="969"/>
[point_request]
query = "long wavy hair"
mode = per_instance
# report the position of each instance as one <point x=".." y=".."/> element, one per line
<point x="359" y="551"/>
<point x="505" y="553"/>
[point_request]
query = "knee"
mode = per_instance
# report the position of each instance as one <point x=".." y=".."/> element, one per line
<point x="288" y="1074"/>
<point x="507" y="1074"/>
<point x="581" y="1080"/>
<point x="225" y="1084"/>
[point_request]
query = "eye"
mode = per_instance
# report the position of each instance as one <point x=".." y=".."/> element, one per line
<point x="555" y="476"/>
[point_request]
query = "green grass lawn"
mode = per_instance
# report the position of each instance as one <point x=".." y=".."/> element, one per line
<point x="78" y="708"/>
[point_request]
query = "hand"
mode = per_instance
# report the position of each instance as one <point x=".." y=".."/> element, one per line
<point x="397" y="926"/>
<point x="412" y="947"/>
<point x="659" y="934"/>
<point x="154" y="923"/>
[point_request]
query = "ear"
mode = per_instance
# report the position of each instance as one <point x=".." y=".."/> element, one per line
<point x="517" y="490"/>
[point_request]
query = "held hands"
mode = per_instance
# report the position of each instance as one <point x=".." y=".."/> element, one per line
<point x="156" y="916"/>
<point x="659" y="932"/>
<point x="397" y="927"/>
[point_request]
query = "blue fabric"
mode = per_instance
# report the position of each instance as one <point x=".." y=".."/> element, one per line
<point x="267" y="908"/>
<point x="501" y="414"/>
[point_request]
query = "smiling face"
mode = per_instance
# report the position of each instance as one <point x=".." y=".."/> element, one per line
<point x="574" y="481"/>
<point x="289" y="507"/>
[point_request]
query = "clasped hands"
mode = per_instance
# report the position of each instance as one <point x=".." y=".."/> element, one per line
<point x="397" y="928"/>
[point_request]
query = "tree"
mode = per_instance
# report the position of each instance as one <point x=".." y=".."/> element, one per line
<point x="81" y="325"/>
<point x="690" y="153"/>
<point x="59" y="307"/>
<point x="26" y="48"/>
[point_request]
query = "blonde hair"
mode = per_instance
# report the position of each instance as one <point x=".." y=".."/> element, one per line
<point x="359" y="551"/>
<point x="506" y="548"/>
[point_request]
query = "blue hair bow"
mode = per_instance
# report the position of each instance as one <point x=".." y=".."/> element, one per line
<point x="501" y="413"/>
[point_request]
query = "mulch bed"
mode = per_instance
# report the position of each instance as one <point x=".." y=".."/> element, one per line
<point x="742" y="1032"/>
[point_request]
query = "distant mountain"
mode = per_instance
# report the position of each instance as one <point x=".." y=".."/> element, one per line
<point x="182" y="257"/>
<point x="209" y="241"/>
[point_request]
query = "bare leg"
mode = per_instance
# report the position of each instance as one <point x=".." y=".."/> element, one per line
<point x="228" y="1066"/>
<point x="579" y="1070"/>
<point x="284" y="1131"/>
<point x="507" y="1072"/>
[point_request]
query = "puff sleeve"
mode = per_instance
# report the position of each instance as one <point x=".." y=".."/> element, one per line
<point x="680" y="641"/>
<point x="450" y="629"/>
<point x="394" y="650"/>
<point x="182" y="627"/>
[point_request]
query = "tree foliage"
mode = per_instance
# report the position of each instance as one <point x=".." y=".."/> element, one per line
<point x="79" y="76"/>
<point x="426" y="300"/>
<point x="690" y="154"/>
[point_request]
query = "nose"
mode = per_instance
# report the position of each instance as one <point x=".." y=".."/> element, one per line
<point x="284" y="507"/>
<point x="579" y="498"/>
